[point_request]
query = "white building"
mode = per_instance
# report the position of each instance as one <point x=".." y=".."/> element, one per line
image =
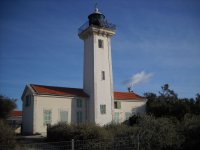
<point x="96" y="102"/>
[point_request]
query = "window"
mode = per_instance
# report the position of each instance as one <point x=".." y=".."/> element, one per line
<point x="100" y="43"/>
<point x="127" y="115"/>
<point x="28" y="100"/>
<point x="47" y="117"/>
<point x="117" y="105"/>
<point x="79" y="116"/>
<point x="102" y="75"/>
<point x="103" y="109"/>
<point x="79" y="103"/>
<point x="116" y="117"/>
<point x="64" y="116"/>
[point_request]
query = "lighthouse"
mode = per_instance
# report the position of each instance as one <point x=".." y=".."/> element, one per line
<point x="96" y="34"/>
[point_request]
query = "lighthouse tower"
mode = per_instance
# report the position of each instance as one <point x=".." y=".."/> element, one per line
<point x="97" y="76"/>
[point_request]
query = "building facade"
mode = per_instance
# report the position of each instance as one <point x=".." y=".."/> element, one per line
<point x="96" y="102"/>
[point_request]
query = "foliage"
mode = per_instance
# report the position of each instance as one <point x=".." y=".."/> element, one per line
<point x="78" y="132"/>
<point x="7" y="135"/>
<point x="190" y="129"/>
<point x="167" y="104"/>
<point x="6" y="106"/>
<point x="158" y="134"/>
<point x="134" y="120"/>
<point x="170" y="123"/>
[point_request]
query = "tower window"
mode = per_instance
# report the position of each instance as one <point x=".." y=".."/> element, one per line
<point x="102" y="75"/>
<point x="100" y="43"/>
<point x="103" y="109"/>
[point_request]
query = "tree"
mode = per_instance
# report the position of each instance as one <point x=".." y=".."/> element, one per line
<point x="6" y="106"/>
<point x="167" y="94"/>
<point x="197" y="98"/>
<point x="167" y="104"/>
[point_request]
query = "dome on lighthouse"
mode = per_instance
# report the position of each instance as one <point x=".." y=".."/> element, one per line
<point x="97" y="18"/>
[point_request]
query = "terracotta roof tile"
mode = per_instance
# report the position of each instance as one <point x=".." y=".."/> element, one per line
<point x="127" y="96"/>
<point x="52" y="90"/>
<point x="15" y="113"/>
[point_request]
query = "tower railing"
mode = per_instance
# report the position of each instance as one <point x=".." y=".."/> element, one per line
<point x="105" y="24"/>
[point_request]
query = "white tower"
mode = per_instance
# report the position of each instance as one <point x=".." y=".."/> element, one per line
<point x="98" y="79"/>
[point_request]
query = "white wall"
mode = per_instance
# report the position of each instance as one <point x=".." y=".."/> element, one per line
<point x="55" y="104"/>
<point x="132" y="106"/>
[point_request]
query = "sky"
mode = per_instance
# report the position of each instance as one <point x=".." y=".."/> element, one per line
<point x="157" y="39"/>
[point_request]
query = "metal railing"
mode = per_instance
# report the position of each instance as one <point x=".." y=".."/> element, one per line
<point x="105" y="24"/>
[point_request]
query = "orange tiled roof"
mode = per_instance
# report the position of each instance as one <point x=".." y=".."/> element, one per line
<point x="127" y="96"/>
<point x="52" y="90"/>
<point x="16" y="113"/>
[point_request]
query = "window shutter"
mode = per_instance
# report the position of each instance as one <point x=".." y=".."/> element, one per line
<point x="119" y="105"/>
<point x="64" y="116"/>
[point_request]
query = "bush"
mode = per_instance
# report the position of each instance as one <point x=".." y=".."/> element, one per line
<point x="88" y="135"/>
<point x="7" y="135"/>
<point x="158" y="134"/>
<point x="67" y="132"/>
<point x="190" y="129"/>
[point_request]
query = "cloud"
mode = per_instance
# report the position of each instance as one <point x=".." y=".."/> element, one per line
<point x="138" y="78"/>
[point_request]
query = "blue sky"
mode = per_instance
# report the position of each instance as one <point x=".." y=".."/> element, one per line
<point x="39" y="43"/>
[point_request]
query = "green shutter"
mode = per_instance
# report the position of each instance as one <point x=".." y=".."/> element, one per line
<point x="79" y="117"/>
<point x="64" y="116"/>
<point x="46" y="117"/>
<point x="127" y="115"/>
<point x="116" y="117"/>
<point x="79" y="103"/>
<point x="119" y="105"/>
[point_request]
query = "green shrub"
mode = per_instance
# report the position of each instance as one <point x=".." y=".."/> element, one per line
<point x="190" y="129"/>
<point x="67" y="132"/>
<point x="7" y="135"/>
<point x="90" y="136"/>
<point x="158" y="134"/>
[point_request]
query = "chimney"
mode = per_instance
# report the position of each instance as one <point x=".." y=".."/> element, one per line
<point x="129" y="90"/>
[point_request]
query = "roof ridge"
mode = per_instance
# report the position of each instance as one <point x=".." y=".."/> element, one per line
<point x="55" y="86"/>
